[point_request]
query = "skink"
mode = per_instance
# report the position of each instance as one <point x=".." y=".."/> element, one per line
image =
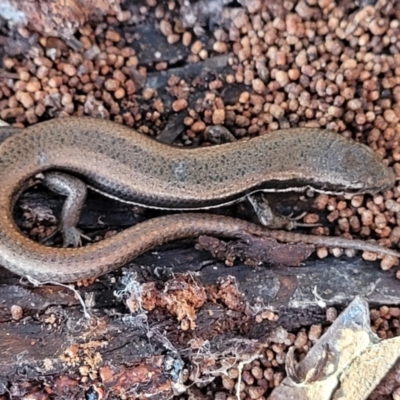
<point x="126" y="165"/>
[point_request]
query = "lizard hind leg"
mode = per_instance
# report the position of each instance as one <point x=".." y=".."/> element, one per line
<point x="75" y="191"/>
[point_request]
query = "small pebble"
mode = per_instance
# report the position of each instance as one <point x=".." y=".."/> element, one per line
<point x="218" y="117"/>
<point x="388" y="262"/>
<point x="16" y="312"/>
<point x="369" y="256"/>
<point x="179" y="105"/>
<point x="198" y="126"/>
<point x="322" y="252"/>
<point x="220" y="47"/>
